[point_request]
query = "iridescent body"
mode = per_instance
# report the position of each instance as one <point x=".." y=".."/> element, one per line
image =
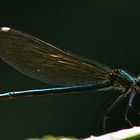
<point x="45" y="62"/>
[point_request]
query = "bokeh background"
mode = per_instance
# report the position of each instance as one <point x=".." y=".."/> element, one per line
<point x="105" y="31"/>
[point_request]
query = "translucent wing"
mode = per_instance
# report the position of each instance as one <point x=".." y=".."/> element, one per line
<point x="45" y="62"/>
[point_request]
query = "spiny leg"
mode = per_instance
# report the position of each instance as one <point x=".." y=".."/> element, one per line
<point x="104" y="109"/>
<point x="129" y="106"/>
<point x="132" y="95"/>
<point x="134" y="110"/>
<point x="121" y="97"/>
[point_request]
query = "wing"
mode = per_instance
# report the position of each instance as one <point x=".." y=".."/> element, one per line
<point x="43" y="61"/>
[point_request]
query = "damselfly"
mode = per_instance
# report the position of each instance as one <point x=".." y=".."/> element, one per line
<point x="45" y="62"/>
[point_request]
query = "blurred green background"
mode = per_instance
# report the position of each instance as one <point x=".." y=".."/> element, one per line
<point x="105" y="31"/>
